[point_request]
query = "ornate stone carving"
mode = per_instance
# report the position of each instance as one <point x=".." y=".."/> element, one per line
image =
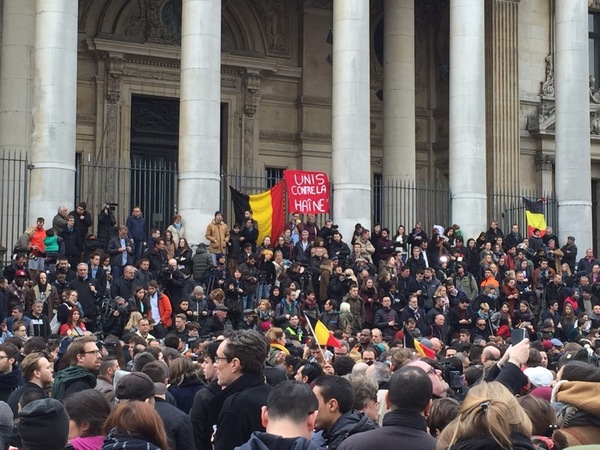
<point x="274" y="16"/>
<point x="251" y="96"/>
<point x="594" y="93"/>
<point x="595" y="123"/>
<point x="594" y="4"/>
<point x="544" y="162"/>
<point x="113" y="79"/>
<point x="152" y="74"/>
<point x="544" y="119"/>
<point x="548" y="84"/>
<point x="137" y="24"/>
<point x="248" y="158"/>
<point x="164" y="22"/>
<point x="156" y="115"/>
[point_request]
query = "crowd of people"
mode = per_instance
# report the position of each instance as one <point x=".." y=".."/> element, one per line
<point x="131" y="338"/>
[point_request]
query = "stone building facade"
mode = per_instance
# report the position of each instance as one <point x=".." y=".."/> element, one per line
<point x="469" y="92"/>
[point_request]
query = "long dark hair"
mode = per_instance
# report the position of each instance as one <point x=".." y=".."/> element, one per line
<point x="88" y="406"/>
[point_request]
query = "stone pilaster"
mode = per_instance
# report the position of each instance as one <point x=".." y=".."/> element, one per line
<point x="467" y="116"/>
<point x="502" y="94"/>
<point x="573" y="163"/>
<point x="54" y="108"/>
<point x="351" y="132"/>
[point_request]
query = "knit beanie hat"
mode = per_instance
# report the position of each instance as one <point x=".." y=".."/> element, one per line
<point x="44" y="425"/>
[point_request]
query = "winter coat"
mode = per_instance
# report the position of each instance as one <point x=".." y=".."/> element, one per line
<point x="136" y="228"/>
<point x="348" y="424"/>
<point x="407" y="427"/>
<point x="579" y="416"/>
<point x="120" y="440"/>
<point x="238" y="410"/>
<point x="266" y="441"/>
<point x="9" y="382"/>
<point x="202" y="262"/>
<point x="218" y="236"/>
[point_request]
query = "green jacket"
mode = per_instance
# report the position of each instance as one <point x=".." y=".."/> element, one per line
<point x="67" y="377"/>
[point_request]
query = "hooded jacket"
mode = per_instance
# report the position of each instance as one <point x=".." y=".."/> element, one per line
<point x="202" y="262"/>
<point x="267" y="441"/>
<point x="579" y="415"/>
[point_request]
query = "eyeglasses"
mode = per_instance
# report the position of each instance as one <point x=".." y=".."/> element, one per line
<point x="222" y="358"/>
<point x="91" y="352"/>
<point x="3" y="357"/>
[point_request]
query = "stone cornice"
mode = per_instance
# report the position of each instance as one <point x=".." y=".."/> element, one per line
<point x="169" y="56"/>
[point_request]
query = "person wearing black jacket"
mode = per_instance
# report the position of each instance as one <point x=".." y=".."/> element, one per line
<point x="83" y="221"/>
<point x="239" y="362"/>
<point x="337" y="419"/>
<point x="106" y="226"/>
<point x="410" y="390"/>
<point x="72" y="243"/>
<point x="338" y="249"/>
<point x="88" y="293"/>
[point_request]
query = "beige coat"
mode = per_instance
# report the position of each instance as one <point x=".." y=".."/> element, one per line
<point x="218" y="236"/>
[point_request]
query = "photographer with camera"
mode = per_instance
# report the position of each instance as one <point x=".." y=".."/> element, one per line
<point x="172" y="281"/>
<point x="250" y="279"/>
<point x="116" y="316"/>
<point x="106" y="224"/>
<point x="338" y="285"/>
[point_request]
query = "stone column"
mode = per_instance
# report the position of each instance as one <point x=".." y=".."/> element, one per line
<point x="573" y="164"/>
<point x="200" y="112"/>
<point x="502" y="108"/>
<point x="16" y="75"/>
<point x="351" y="150"/>
<point x="399" y="148"/>
<point x="54" y="108"/>
<point x="467" y="116"/>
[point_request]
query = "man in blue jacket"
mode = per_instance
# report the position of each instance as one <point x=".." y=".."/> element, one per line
<point x="136" y="224"/>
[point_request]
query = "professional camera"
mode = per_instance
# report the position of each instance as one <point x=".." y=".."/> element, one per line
<point x="112" y="206"/>
<point x="451" y="372"/>
<point x="165" y="273"/>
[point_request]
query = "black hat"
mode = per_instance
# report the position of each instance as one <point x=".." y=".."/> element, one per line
<point x="221" y="307"/>
<point x="44" y="425"/>
<point x="135" y="386"/>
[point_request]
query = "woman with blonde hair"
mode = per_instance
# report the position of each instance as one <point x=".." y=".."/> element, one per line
<point x="276" y="338"/>
<point x="132" y="323"/>
<point x="135" y="425"/>
<point x="490" y="418"/>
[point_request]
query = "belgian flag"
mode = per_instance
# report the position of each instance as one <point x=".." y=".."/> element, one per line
<point x="534" y="212"/>
<point x="321" y="332"/>
<point x="267" y="210"/>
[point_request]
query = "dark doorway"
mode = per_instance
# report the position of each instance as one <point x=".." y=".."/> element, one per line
<point x="154" y="153"/>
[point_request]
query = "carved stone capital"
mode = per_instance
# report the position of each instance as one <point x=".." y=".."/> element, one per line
<point x="116" y="66"/>
<point x="594" y="4"/>
<point x="544" y="162"/>
<point x="251" y="96"/>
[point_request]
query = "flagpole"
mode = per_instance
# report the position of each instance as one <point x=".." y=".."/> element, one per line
<point x="315" y="336"/>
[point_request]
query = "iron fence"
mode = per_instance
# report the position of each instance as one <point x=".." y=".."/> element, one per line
<point x="14" y="184"/>
<point x="399" y="202"/>
<point x="149" y="184"/>
<point x="509" y="208"/>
